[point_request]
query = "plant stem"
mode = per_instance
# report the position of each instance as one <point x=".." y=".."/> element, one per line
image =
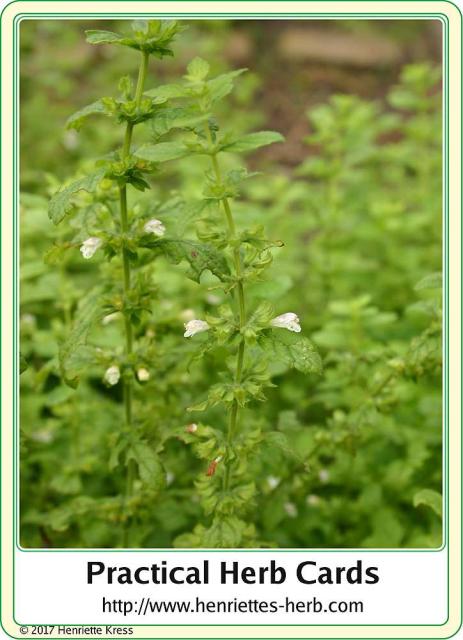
<point x="234" y="412"/>
<point x="127" y="386"/>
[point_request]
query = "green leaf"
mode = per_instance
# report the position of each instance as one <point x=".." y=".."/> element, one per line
<point x="225" y="532"/>
<point x="55" y="253"/>
<point x="198" y="69"/>
<point x="201" y="257"/>
<point x="90" y="311"/>
<point x="97" y="36"/>
<point x="168" y="91"/>
<point x="149" y="467"/>
<point x="61" y="203"/>
<point x="252" y="141"/>
<point x="161" y="152"/>
<point x="429" y="498"/>
<point x="278" y="440"/>
<point x="432" y="281"/>
<point x="294" y="350"/>
<point x="77" y="119"/>
<point x="23" y="364"/>
<point x="176" y="118"/>
<point x="152" y="36"/>
<point x="222" y="85"/>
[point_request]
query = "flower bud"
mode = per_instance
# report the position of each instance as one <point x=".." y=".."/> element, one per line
<point x="288" y="321"/>
<point x="154" y="226"/>
<point x="89" y="246"/>
<point x="290" y="509"/>
<point x="195" y="326"/>
<point x="143" y="374"/>
<point x="213" y="466"/>
<point x="112" y="375"/>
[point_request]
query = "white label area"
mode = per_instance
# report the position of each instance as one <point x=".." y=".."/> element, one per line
<point x="231" y="587"/>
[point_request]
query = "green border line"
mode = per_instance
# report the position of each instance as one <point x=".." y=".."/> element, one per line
<point x="313" y="16"/>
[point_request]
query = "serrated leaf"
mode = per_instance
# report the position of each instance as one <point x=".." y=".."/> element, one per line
<point x="222" y="85"/>
<point x="168" y="91"/>
<point x="148" y="463"/>
<point x="278" y="440"/>
<point x="161" y="152"/>
<point x="61" y="203"/>
<point x="76" y="120"/>
<point x="201" y="257"/>
<point x="432" y="281"/>
<point x="54" y="254"/>
<point x="225" y="532"/>
<point x="154" y="37"/>
<point x="294" y="350"/>
<point x="23" y="364"/>
<point x="197" y="69"/>
<point x="176" y="118"/>
<point x="90" y="311"/>
<point x="429" y="498"/>
<point x="252" y="141"/>
<point x="97" y="36"/>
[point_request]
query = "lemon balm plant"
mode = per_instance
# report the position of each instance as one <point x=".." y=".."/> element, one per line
<point x="130" y="238"/>
<point x="249" y="334"/>
<point x="350" y="458"/>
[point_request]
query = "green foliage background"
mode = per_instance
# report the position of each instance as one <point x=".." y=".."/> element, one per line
<point x="351" y="457"/>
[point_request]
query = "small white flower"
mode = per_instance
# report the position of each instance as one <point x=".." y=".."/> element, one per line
<point x="273" y="482"/>
<point x="170" y="477"/>
<point x="324" y="475"/>
<point x="195" y="326"/>
<point x="112" y="375"/>
<point x="154" y="226"/>
<point x="143" y="374"/>
<point x="71" y="139"/>
<point x="110" y="318"/>
<point x="29" y="319"/>
<point x="290" y="509"/>
<point x="313" y="500"/>
<point x="213" y="299"/>
<point x="191" y="428"/>
<point x="288" y="321"/>
<point x="43" y="436"/>
<point x="89" y="247"/>
<point x="187" y="314"/>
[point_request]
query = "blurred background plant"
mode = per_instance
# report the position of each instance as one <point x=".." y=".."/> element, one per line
<point x="355" y="192"/>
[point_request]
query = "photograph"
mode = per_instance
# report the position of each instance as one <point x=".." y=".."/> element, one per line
<point x="230" y="283"/>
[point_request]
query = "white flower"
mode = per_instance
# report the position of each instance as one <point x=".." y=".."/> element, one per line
<point x="273" y="482"/>
<point x="288" y="321"/>
<point x="324" y="475"/>
<point x="89" y="247"/>
<point x="110" y="318"/>
<point x="112" y="375"/>
<point x="313" y="500"/>
<point x="195" y="326"/>
<point x="29" y="319"/>
<point x="191" y="428"/>
<point x="154" y="226"/>
<point x="143" y="374"/>
<point x="213" y="299"/>
<point x="71" y="140"/>
<point x="187" y="314"/>
<point x="290" y="509"/>
<point x="43" y="436"/>
<point x="170" y="477"/>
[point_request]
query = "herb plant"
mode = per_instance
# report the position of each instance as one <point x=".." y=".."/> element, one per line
<point x="149" y="345"/>
<point x="247" y="334"/>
